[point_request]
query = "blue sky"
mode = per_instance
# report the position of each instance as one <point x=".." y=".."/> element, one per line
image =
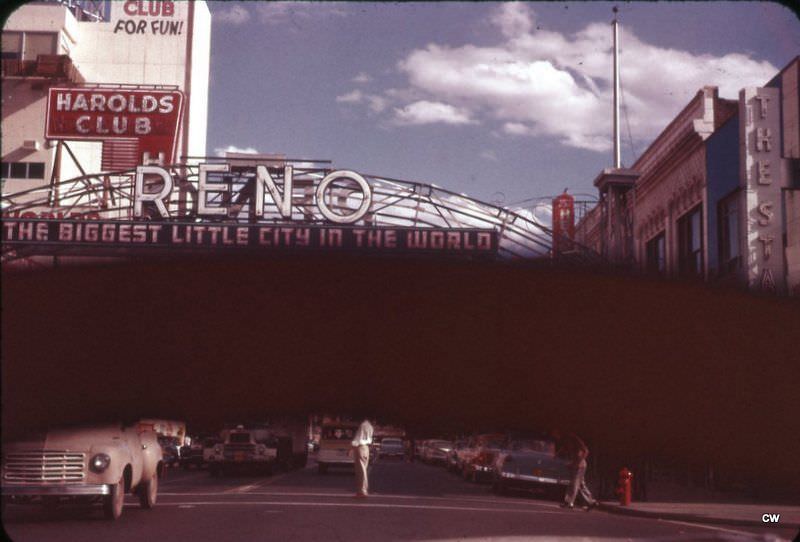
<point x="501" y="101"/>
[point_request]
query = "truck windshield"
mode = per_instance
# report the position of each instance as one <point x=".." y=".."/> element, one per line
<point x="338" y="433"/>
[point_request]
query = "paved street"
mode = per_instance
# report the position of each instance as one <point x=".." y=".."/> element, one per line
<point x="409" y="502"/>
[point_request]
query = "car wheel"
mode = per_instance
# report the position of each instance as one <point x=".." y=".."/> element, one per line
<point x="148" y="492"/>
<point x="114" y="501"/>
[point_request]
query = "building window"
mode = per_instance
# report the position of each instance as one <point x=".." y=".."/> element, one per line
<point x="29" y="45"/>
<point x="39" y="43"/>
<point x="690" y="244"/>
<point x="656" y="257"/>
<point x="11" y="45"/>
<point x="728" y="213"/>
<point x="22" y="170"/>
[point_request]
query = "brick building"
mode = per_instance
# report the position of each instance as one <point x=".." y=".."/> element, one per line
<point x="716" y="196"/>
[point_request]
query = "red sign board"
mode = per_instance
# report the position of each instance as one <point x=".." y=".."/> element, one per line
<point x="563" y="222"/>
<point x="151" y="117"/>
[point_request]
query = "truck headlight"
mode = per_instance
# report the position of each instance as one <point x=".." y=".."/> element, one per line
<point x="99" y="463"/>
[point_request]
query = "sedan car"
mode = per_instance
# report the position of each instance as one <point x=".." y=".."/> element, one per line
<point x="392" y="447"/>
<point x="531" y="465"/>
<point x="436" y="451"/>
<point x="480" y="466"/>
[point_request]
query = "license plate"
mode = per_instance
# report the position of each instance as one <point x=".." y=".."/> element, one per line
<point x="239" y="456"/>
<point x="537" y="472"/>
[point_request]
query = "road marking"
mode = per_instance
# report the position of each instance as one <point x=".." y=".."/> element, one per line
<point x="704" y="526"/>
<point x="247" y="487"/>
<point x="360" y="504"/>
<point x="372" y="495"/>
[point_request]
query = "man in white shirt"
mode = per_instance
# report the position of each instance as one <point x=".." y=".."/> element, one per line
<point x="361" y="443"/>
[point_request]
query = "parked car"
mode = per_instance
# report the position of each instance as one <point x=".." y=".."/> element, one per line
<point x="97" y="463"/>
<point x="436" y="451"/>
<point x="531" y="464"/>
<point x="170" y="450"/>
<point x="480" y="466"/>
<point x="192" y="454"/>
<point x="392" y="447"/>
<point x="451" y="462"/>
<point x="210" y="449"/>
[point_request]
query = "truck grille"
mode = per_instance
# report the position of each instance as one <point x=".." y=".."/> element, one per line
<point x="236" y="449"/>
<point x="44" y="466"/>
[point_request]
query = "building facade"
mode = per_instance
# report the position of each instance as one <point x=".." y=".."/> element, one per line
<point x="715" y="196"/>
<point x="129" y="46"/>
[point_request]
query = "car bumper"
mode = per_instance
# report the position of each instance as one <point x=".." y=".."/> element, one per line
<point x="335" y="462"/>
<point x="533" y="480"/>
<point x="65" y="490"/>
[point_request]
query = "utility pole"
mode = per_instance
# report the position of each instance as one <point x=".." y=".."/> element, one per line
<point x="615" y="25"/>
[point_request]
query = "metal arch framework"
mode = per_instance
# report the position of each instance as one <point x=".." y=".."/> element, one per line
<point x="395" y="203"/>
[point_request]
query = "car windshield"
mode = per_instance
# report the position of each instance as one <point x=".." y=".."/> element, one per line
<point x="239" y="438"/>
<point x="338" y="433"/>
<point x="534" y="445"/>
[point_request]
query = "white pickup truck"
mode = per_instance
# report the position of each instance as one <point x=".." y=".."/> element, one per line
<point x="97" y="463"/>
<point x="243" y="448"/>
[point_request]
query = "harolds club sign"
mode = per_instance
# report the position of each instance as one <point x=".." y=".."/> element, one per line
<point x="149" y="118"/>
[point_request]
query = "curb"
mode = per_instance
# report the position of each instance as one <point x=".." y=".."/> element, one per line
<point x="620" y="510"/>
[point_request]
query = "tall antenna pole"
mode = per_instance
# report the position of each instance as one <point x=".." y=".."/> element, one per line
<point x="617" y="158"/>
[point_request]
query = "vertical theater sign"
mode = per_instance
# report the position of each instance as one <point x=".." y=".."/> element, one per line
<point x="760" y="165"/>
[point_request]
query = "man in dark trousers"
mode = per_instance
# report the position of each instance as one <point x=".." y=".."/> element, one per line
<point x="572" y="447"/>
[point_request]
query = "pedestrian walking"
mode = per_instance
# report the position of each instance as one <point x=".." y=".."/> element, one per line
<point x="572" y="447"/>
<point x="361" y="443"/>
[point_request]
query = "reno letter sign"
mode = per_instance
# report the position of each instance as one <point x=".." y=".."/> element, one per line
<point x="150" y="116"/>
<point x="264" y="183"/>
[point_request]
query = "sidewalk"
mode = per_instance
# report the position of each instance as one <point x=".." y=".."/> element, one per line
<point x="749" y="515"/>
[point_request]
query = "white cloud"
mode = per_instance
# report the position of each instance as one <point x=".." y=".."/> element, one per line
<point x="513" y="19"/>
<point x="377" y="104"/>
<point x="489" y="154"/>
<point x="362" y="78"/>
<point x="232" y="148"/>
<point x="517" y="128"/>
<point x="542" y="83"/>
<point x="425" y="112"/>
<point x="297" y="12"/>
<point x="354" y="96"/>
<point x="233" y="14"/>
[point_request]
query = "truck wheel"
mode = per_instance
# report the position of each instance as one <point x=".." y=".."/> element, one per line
<point x="323" y="468"/>
<point x="114" y="501"/>
<point x="148" y="492"/>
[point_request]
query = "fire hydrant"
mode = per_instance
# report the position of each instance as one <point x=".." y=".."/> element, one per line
<point x="624" y="486"/>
